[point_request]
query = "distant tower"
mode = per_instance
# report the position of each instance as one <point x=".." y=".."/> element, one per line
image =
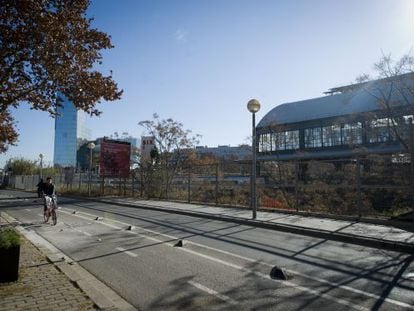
<point x="147" y="144"/>
<point x="70" y="132"/>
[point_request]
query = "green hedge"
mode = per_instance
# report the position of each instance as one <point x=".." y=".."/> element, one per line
<point x="9" y="238"/>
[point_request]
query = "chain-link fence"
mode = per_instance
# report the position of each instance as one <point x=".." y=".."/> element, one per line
<point x="365" y="186"/>
<point x="369" y="186"/>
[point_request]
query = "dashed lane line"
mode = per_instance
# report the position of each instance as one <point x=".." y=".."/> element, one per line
<point x="81" y="231"/>
<point x="123" y="250"/>
<point x="213" y="292"/>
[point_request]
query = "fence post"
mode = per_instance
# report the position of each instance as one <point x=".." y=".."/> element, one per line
<point x="358" y="179"/>
<point x="412" y="165"/>
<point x="119" y="185"/>
<point x="189" y="185"/>
<point x="141" y="184"/>
<point x="296" y="185"/>
<point x="217" y="180"/>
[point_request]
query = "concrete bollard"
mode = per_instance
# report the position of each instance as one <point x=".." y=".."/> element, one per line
<point x="180" y="243"/>
<point x="279" y="274"/>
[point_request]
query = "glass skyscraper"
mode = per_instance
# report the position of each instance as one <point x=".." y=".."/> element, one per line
<point x="70" y="132"/>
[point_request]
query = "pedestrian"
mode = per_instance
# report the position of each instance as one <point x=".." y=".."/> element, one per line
<point x="40" y="186"/>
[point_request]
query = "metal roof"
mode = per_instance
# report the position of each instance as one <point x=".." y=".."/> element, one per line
<point x="358" y="100"/>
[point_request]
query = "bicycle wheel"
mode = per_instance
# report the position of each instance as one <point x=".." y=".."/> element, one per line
<point x="54" y="217"/>
<point x="46" y="216"/>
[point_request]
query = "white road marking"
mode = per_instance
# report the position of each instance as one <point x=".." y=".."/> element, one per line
<point x="126" y="252"/>
<point x="288" y="283"/>
<point x="87" y="218"/>
<point x="111" y="226"/>
<point x="240" y="268"/>
<point x="334" y="284"/>
<point x="28" y="209"/>
<point x="81" y="231"/>
<point x="213" y="293"/>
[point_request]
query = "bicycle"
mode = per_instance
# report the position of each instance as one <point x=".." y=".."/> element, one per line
<point x="51" y="206"/>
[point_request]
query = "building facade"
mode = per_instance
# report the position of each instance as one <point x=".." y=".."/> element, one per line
<point x="224" y="152"/>
<point x="84" y="152"/>
<point x="352" y="120"/>
<point x="70" y="133"/>
<point x="147" y="144"/>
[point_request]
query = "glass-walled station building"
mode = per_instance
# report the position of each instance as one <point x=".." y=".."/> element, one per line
<point x="70" y="132"/>
<point x="364" y="118"/>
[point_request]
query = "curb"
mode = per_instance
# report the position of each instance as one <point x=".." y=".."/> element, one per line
<point x="103" y="296"/>
<point x="322" y="234"/>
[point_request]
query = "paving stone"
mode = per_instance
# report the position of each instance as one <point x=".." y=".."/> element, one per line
<point x="41" y="286"/>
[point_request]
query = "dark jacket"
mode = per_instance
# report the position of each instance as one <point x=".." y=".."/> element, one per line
<point x="48" y="189"/>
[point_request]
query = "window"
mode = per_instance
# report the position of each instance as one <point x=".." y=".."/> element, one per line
<point x="261" y="143"/>
<point x="313" y="137"/>
<point x="331" y="135"/>
<point x="292" y="140"/>
<point x="279" y="141"/>
<point x="379" y="131"/>
<point x="407" y="119"/>
<point x="266" y="144"/>
<point x="352" y="133"/>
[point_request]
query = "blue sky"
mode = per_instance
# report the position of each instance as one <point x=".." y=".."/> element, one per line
<point x="200" y="61"/>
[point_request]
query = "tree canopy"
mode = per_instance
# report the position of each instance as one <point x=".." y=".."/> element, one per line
<point x="173" y="146"/>
<point x="48" y="48"/>
<point x="169" y="135"/>
<point x="22" y="166"/>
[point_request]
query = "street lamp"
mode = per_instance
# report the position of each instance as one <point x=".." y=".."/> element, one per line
<point x="253" y="106"/>
<point x="91" y="146"/>
<point x="41" y="165"/>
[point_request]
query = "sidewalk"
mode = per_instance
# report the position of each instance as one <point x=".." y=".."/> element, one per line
<point x="41" y="286"/>
<point x="348" y="231"/>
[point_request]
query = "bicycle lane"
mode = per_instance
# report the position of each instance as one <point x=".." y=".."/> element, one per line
<point x="108" y="251"/>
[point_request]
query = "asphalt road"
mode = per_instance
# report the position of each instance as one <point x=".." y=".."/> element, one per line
<point x="222" y="265"/>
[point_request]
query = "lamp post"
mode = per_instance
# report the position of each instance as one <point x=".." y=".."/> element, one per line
<point x="91" y="146"/>
<point x="41" y="165"/>
<point x="253" y="106"/>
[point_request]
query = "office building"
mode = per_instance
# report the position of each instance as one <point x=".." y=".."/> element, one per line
<point x="70" y="133"/>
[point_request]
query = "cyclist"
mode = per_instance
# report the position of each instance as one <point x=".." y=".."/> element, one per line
<point x="49" y="190"/>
